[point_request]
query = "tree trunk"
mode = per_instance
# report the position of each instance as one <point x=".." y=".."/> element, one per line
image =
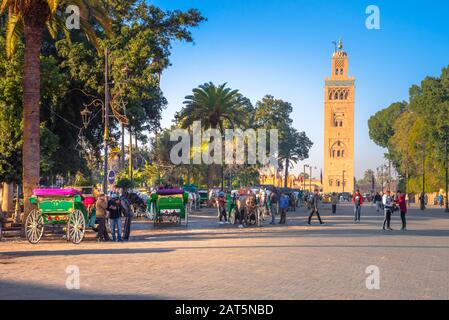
<point x="122" y="151"/>
<point x="8" y="198"/>
<point x="287" y="163"/>
<point x="212" y="168"/>
<point x="131" y="164"/>
<point x="31" y="121"/>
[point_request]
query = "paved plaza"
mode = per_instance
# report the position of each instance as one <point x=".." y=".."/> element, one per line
<point x="212" y="261"/>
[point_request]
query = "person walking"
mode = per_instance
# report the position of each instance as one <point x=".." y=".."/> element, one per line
<point x="378" y="202"/>
<point x="283" y="207"/>
<point x="388" y="204"/>
<point x="101" y="209"/>
<point x="335" y="202"/>
<point x="357" y="199"/>
<point x="402" y="203"/>
<point x="314" y="201"/>
<point x="221" y="203"/>
<point x="115" y="210"/>
<point x="422" y="201"/>
<point x="273" y="199"/>
<point x="129" y="214"/>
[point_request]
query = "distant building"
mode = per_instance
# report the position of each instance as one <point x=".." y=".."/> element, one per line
<point x="339" y="126"/>
<point x="294" y="182"/>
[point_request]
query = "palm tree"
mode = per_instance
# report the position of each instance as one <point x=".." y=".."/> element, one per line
<point x="216" y="107"/>
<point x="29" y="18"/>
<point x="294" y="147"/>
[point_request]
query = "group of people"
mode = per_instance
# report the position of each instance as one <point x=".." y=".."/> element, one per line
<point x="113" y="208"/>
<point x="272" y="202"/>
<point x="388" y="203"/>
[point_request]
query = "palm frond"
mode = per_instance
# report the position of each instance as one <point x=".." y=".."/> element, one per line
<point x="53" y="5"/>
<point x="52" y="27"/>
<point x="6" y="4"/>
<point x="14" y="30"/>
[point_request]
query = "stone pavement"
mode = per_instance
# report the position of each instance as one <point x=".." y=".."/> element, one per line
<point x="212" y="261"/>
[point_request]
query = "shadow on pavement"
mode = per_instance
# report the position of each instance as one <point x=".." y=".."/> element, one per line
<point x="277" y="232"/>
<point x="12" y="290"/>
<point x="79" y="252"/>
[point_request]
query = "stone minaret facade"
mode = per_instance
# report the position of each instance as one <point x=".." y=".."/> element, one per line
<point x="339" y="126"/>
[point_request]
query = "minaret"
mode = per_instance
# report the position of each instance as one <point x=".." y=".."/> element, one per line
<point x="339" y="126"/>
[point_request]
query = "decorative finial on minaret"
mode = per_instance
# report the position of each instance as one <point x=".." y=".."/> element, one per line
<point x="340" y="44"/>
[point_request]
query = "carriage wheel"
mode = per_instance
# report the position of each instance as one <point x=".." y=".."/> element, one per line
<point x="34" y="227"/>
<point x="251" y="218"/>
<point x="233" y="216"/>
<point x="259" y="217"/>
<point x="76" y="226"/>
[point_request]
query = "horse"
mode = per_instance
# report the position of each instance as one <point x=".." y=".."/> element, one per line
<point x="248" y="209"/>
<point x="136" y="203"/>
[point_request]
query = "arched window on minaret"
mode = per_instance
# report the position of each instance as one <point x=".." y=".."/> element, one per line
<point x="341" y="71"/>
<point x="336" y="95"/>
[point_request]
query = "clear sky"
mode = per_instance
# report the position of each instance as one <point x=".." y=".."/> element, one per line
<point x="284" y="48"/>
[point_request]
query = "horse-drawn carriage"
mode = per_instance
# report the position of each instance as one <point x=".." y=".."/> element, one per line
<point x="169" y="205"/>
<point x="244" y="209"/>
<point x="203" y="198"/>
<point x="64" y="209"/>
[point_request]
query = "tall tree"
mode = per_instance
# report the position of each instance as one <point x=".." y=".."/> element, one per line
<point x="414" y="134"/>
<point x="30" y="19"/>
<point x="294" y="147"/>
<point x="217" y="107"/>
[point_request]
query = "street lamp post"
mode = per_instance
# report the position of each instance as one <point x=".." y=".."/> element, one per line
<point x="382" y="173"/>
<point x="423" y="193"/>
<point x="310" y="178"/>
<point x="388" y="174"/>
<point x="446" y="138"/>
<point x="304" y="178"/>
<point x="343" y="182"/>
<point x="106" y="120"/>
<point x="105" y="107"/>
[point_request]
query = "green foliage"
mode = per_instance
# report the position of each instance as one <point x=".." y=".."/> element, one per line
<point x="49" y="146"/>
<point x="381" y="124"/>
<point x="72" y="74"/>
<point x="216" y="106"/>
<point x="124" y="183"/>
<point x="10" y="115"/>
<point x="414" y="134"/>
<point x="294" y="146"/>
<point x="82" y="181"/>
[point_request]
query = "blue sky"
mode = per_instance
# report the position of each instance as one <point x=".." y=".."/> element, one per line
<point x="284" y="47"/>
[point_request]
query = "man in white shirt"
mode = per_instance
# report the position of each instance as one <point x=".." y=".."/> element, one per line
<point x="388" y="203"/>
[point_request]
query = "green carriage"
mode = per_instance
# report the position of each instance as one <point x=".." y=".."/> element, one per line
<point x="62" y="208"/>
<point x="169" y="205"/>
